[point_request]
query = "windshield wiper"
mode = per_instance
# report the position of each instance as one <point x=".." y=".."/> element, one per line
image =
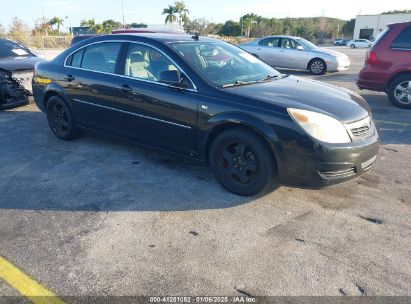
<point x="238" y="83"/>
<point x="269" y="77"/>
<point x="241" y="83"/>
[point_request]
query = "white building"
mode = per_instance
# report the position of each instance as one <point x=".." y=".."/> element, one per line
<point x="367" y="26"/>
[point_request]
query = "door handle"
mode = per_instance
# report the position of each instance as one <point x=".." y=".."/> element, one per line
<point x="70" y="78"/>
<point x="126" y="88"/>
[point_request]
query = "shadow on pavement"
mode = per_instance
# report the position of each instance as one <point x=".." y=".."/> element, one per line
<point x="97" y="173"/>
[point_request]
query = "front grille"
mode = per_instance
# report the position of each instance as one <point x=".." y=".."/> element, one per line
<point x="357" y="132"/>
<point x="360" y="129"/>
<point x="337" y="174"/>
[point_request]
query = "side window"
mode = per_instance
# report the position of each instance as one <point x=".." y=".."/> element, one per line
<point x="403" y="40"/>
<point x="101" y="57"/>
<point x="288" y="43"/>
<point x="146" y="63"/>
<point x="272" y="42"/>
<point x="75" y="59"/>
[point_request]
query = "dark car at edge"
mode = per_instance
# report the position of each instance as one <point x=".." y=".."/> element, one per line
<point x="210" y="101"/>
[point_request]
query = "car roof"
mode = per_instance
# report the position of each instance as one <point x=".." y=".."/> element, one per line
<point x="281" y="36"/>
<point x="399" y="23"/>
<point x="160" y="37"/>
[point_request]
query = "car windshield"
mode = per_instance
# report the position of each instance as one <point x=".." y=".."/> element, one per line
<point x="223" y="64"/>
<point x="12" y="49"/>
<point x="306" y="44"/>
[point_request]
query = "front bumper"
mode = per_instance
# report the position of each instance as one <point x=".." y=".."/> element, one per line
<point x="338" y="65"/>
<point x="328" y="164"/>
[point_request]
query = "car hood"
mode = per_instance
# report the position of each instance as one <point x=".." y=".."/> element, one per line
<point x="328" y="52"/>
<point x="19" y="63"/>
<point x="295" y="92"/>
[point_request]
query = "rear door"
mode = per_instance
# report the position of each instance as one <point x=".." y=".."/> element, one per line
<point x="153" y="112"/>
<point x="92" y="84"/>
<point x="268" y="50"/>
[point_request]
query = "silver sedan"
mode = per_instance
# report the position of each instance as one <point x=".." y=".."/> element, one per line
<point x="288" y="52"/>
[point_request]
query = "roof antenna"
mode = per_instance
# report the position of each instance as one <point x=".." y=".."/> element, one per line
<point x="195" y="36"/>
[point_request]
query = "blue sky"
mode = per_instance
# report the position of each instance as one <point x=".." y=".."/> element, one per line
<point x="217" y="10"/>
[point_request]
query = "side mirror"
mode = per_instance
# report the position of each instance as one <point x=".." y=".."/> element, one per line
<point x="300" y="48"/>
<point x="172" y="78"/>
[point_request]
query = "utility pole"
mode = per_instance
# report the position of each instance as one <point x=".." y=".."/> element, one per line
<point x="122" y="10"/>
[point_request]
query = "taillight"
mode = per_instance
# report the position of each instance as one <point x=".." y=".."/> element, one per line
<point x="372" y="58"/>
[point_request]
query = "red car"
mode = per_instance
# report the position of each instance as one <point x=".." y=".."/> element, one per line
<point x="387" y="65"/>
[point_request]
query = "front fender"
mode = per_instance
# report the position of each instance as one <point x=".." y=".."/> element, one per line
<point x="217" y="122"/>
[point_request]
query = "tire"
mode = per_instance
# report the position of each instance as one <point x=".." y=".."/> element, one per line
<point x="60" y="119"/>
<point x="241" y="161"/>
<point x="317" y="66"/>
<point x="352" y="46"/>
<point x="399" y="91"/>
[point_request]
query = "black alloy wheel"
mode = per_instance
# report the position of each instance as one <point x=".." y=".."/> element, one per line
<point x="60" y="119"/>
<point x="241" y="161"/>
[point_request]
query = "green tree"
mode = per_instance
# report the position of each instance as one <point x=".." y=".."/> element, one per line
<point x="19" y="31"/>
<point x="41" y="26"/>
<point x="2" y="31"/>
<point x="90" y="23"/>
<point x="230" y="28"/>
<point x="202" y="26"/>
<point x="110" y="25"/>
<point x="170" y="11"/>
<point x="181" y="10"/>
<point x="348" y="28"/>
<point x="397" y="12"/>
<point x="56" y="21"/>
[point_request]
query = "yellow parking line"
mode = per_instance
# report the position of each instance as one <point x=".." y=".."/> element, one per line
<point x="25" y="285"/>
<point x="393" y="123"/>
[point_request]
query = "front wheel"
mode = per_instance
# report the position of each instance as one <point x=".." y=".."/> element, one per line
<point x="317" y="67"/>
<point x="352" y="46"/>
<point x="241" y="162"/>
<point x="60" y="119"/>
<point x="399" y="91"/>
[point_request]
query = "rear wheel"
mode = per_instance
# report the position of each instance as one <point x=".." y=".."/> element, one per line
<point x="317" y="66"/>
<point x="241" y="162"/>
<point x="352" y="46"/>
<point x="60" y="119"/>
<point x="399" y="91"/>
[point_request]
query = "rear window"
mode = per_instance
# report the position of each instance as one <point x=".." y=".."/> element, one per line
<point x="403" y="40"/>
<point x="101" y="57"/>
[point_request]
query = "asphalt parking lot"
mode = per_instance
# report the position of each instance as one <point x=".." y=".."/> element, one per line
<point x="98" y="216"/>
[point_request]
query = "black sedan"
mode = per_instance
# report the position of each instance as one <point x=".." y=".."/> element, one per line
<point x="208" y="100"/>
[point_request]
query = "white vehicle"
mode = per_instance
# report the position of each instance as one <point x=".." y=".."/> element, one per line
<point x="359" y="43"/>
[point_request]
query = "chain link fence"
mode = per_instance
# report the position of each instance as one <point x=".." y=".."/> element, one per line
<point x="42" y="42"/>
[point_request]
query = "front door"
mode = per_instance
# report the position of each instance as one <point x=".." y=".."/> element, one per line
<point x="153" y="112"/>
<point x="290" y="56"/>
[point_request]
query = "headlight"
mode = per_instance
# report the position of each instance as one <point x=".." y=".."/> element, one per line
<point x="320" y="126"/>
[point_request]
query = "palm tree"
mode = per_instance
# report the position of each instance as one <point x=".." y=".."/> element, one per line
<point x="56" y="21"/>
<point x="170" y="11"/>
<point x="59" y="23"/>
<point x="90" y="23"/>
<point x="181" y="9"/>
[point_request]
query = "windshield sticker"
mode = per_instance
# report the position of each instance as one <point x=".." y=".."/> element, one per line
<point x="249" y="57"/>
<point x="19" y="52"/>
